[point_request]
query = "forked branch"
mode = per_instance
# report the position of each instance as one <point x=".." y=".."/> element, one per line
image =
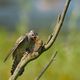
<point x="28" y="57"/>
<point x="57" y="27"/>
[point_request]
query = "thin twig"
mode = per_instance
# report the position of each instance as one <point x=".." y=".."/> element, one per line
<point x="46" y="67"/>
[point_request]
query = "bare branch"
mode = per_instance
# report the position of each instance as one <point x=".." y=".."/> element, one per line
<point x="57" y="27"/>
<point x="25" y="60"/>
<point x="28" y="57"/>
<point x="48" y="64"/>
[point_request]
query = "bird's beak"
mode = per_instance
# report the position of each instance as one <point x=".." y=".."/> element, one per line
<point x="34" y="38"/>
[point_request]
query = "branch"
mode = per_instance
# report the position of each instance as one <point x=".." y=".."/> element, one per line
<point x="28" y="57"/>
<point x="48" y="64"/>
<point x="25" y="60"/>
<point x="58" y="26"/>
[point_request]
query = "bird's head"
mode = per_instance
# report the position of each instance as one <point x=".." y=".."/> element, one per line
<point x="32" y="35"/>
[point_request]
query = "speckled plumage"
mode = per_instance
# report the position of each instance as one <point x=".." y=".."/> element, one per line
<point x="22" y="45"/>
<point x="29" y="43"/>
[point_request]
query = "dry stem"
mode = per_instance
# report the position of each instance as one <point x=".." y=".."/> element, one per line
<point x="27" y="58"/>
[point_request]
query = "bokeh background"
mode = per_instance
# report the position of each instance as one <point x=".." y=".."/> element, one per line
<point x="19" y="16"/>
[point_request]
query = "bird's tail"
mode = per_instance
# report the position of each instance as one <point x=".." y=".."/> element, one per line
<point x="15" y="63"/>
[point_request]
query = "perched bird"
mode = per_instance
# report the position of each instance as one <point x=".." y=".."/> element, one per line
<point x="24" y="44"/>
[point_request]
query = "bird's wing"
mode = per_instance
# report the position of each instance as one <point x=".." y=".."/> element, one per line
<point x="18" y="42"/>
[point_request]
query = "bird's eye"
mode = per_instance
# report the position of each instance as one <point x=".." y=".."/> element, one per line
<point x="32" y="34"/>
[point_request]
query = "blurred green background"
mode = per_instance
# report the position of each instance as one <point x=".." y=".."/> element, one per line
<point x="19" y="16"/>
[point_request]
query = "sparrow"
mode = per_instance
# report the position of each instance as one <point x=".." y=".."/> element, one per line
<point x="29" y="43"/>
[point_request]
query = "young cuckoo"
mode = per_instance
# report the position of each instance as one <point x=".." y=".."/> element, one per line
<point x="28" y="43"/>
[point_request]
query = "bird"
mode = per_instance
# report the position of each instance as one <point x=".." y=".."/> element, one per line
<point x="27" y="43"/>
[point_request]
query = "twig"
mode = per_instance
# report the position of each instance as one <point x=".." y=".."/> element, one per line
<point x="27" y="58"/>
<point x="46" y="67"/>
